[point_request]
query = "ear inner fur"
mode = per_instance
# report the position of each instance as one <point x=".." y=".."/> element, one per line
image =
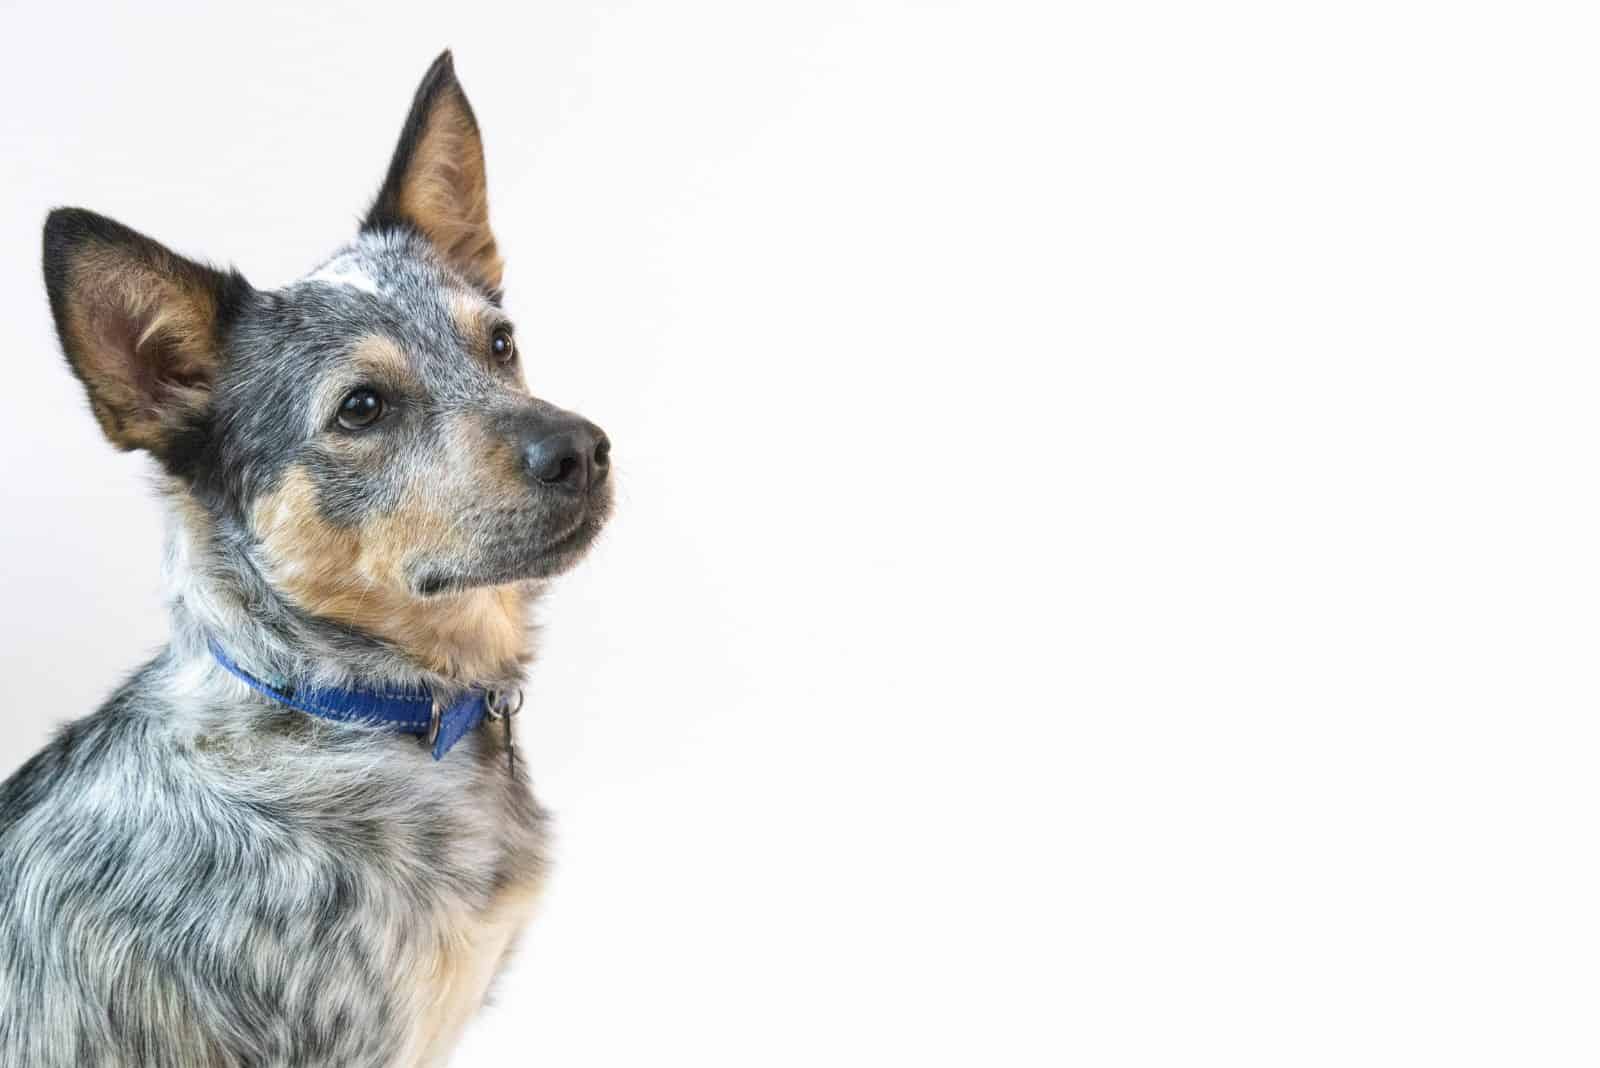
<point x="141" y="326"/>
<point x="437" y="183"/>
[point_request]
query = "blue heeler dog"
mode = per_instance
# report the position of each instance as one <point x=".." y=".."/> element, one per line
<point x="300" y="834"/>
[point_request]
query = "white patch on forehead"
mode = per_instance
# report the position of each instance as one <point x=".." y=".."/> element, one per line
<point x="345" y="273"/>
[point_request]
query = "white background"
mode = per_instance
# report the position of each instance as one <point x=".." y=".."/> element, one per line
<point x="1106" y="561"/>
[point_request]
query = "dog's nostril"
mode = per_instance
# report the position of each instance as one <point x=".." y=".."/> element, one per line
<point x="558" y="467"/>
<point x="602" y="452"/>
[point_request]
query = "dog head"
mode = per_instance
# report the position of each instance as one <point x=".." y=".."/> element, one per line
<point x="365" y="434"/>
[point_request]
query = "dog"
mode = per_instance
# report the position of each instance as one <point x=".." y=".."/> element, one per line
<point x="300" y="834"/>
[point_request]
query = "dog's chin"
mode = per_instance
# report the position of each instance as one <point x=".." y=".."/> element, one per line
<point x="563" y="553"/>
<point x="552" y="557"/>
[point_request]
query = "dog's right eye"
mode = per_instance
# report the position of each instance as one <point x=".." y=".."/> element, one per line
<point x="360" y="409"/>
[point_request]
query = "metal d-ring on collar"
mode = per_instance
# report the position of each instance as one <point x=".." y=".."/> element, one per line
<point x="498" y="704"/>
<point x="497" y="707"/>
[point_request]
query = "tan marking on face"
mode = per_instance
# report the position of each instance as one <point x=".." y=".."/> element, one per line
<point x="356" y="576"/>
<point x="468" y="312"/>
<point x="381" y="357"/>
<point x="471" y="948"/>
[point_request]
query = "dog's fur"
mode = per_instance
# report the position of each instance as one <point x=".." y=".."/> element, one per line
<point x="193" y="874"/>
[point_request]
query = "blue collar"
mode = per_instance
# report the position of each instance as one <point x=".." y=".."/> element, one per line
<point x="409" y="710"/>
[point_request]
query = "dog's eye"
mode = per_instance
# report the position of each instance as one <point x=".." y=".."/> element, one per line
<point x="360" y="409"/>
<point x="503" y="347"/>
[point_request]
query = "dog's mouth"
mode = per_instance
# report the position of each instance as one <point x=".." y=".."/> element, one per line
<point x="549" y="559"/>
<point x="433" y="583"/>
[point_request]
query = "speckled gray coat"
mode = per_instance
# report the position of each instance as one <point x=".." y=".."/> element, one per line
<point x="360" y="487"/>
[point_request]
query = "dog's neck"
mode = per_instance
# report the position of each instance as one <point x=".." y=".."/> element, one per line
<point x="217" y="590"/>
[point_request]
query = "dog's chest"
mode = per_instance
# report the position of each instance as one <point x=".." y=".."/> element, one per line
<point x="461" y="944"/>
<point x="448" y="869"/>
<point x="453" y="976"/>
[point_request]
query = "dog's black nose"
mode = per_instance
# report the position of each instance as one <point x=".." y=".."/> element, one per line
<point x="574" y="457"/>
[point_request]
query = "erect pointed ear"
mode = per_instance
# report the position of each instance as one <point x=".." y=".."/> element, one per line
<point x="142" y="327"/>
<point x="436" y="180"/>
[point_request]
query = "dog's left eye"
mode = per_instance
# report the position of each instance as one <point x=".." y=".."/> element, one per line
<point x="360" y="409"/>
<point x="503" y="347"/>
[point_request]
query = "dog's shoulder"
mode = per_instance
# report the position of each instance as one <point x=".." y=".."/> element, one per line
<point x="222" y="875"/>
<point x="64" y="773"/>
